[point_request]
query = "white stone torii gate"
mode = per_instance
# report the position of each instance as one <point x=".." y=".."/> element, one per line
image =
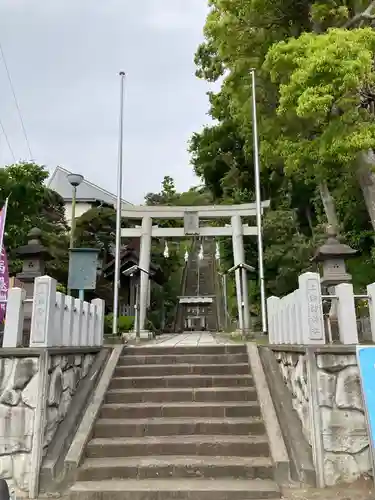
<point x="191" y="216"/>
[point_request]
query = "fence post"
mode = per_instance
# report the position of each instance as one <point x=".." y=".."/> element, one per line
<point x="92" y="326"/>
<point x="299" y="331"/>
<point x="285" y="319"/>
<point x="84" y="324"/>
<point x="99" y="322"/>
<point x="77" y="322"/>
<point x="371" y="308"/>
<point x="282" y="320"/>
<point x="312" y="322"/>
<point x="68" y="321"/>
<point x="293" y="318"/>
<point x="272" y="304"/>
<point x="13" y="329"/>
<point x="346" y="313"/>
<point x="59" y="319"/>
<point x="289" y="318"/>
<point x="43" y="314"/>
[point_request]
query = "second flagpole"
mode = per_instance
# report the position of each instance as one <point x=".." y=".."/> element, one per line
<point x="258" y="202"/>
<point x="116" y="283"/>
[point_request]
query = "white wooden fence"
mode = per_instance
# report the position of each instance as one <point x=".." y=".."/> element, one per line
<point x="57" y="320"/>
<point x="298" y="317"/>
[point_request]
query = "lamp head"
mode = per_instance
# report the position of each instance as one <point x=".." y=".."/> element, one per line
<point x="75" y="179"/>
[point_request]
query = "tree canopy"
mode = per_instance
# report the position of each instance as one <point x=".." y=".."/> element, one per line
<point x="314" y="64"/>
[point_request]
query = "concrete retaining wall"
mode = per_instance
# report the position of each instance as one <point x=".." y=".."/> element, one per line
<point x="325" y="387"/>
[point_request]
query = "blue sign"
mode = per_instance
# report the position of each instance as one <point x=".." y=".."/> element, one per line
<point x="83" y="264"/>
<point x="366" y="365"/>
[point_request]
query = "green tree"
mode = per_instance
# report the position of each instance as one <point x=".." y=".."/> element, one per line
<point x="32" y="204"/>
<point x="96" y="228"/>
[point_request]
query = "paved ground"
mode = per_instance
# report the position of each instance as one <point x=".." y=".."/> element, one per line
<point x="363" y="489"/>
<point x="186" y="339"/>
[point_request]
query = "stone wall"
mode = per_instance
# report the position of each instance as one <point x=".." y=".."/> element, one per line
<point x="20" y="384"/>
<point x="346" y="454"/>
<point x="343" y="422"/>
<point x="64" y="374"/>
<point x="19" y="379"/>
<point x="294" y="371"/>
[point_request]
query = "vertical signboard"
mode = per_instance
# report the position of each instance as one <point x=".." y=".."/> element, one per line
<point x="366" y="365"/>
<point x="4" y="283"/>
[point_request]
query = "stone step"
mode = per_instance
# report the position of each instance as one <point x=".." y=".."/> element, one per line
<point x="181" y="410"/>
<point x="184" y="369"/>
<point x="194" y="349"/>
<point x="175" y="381"/>
<point x="239" y="446"/>
<point x="191" y="359"/>
<point x="101" y="469"/>
<point x="115" y="427"/>
<point x="161" y="489"/>
<point x="180" y="395"/>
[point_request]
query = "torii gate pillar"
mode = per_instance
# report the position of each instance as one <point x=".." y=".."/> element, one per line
<point x="240" y="274"/>
<point x="144" y="263"/>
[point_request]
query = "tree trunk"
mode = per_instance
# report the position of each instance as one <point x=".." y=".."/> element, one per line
<point x="329" y="206"/>
<point x="366" y="179"/>
<point x="309" y="218"/>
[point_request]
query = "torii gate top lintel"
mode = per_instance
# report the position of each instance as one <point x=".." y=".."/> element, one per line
<point x="204" y="211"/>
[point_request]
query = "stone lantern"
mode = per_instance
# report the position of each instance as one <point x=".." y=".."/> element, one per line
<point x="34" y="256"/>
<point x="333" y="254"/>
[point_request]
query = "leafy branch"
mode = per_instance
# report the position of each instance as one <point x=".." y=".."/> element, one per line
<point x="365" y="15"/>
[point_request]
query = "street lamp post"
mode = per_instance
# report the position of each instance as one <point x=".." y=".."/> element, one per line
<point x="74" y="180"/>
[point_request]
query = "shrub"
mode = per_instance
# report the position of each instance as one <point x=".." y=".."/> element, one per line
<point x="124" y="323"/>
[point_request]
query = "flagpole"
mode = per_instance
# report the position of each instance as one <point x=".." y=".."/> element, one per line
<point x="3" y="219"/>
<point x="116" y="284"/>
<point x="258" y="206"/>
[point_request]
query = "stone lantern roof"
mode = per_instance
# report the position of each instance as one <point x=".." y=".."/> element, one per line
<point x="34" y="256"/>
<point x="34" y="247"/>
<point x="333" y="248"/>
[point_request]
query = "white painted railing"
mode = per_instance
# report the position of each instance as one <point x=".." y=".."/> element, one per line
<point x="298" y="317"/>
<point x="57" y="320"/>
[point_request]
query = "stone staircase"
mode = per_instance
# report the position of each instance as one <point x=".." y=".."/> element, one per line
<point x="202" y="283"/>
<point x="179" y="423"/>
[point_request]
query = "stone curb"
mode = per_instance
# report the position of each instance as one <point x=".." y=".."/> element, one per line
<point x="299" y="450"/>
<point x="278" y="449"/>
<point x="53" y="462"/>
<point x="75" y="453"/>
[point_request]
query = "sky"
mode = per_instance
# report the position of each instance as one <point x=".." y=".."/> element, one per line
<point x="64" y="57"/>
